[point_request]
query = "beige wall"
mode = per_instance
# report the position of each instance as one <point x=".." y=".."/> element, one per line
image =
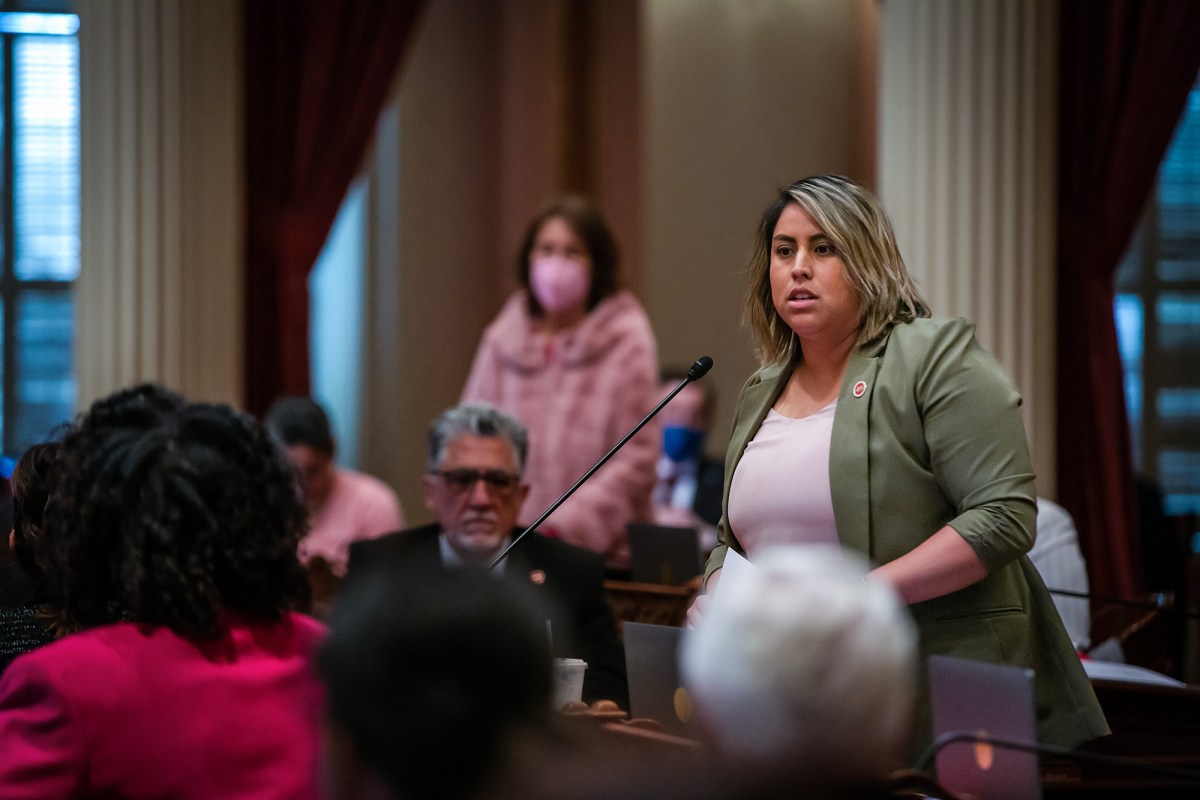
<point x="740" y="99"/>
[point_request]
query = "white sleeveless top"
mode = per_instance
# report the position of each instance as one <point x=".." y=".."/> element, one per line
<point x="780" y="489"/>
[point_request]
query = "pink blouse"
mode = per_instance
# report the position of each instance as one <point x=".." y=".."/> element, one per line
<point x="780" y="489"/>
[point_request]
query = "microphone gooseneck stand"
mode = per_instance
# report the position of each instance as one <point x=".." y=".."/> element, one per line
<point x="697" y="371"/>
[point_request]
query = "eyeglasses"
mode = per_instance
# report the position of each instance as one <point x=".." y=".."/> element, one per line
<point x="499" y="482"/>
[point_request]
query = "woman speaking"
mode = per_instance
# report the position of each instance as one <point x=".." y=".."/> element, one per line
<point x="897" y="436"/>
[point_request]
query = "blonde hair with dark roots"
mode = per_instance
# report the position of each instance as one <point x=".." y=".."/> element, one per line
<point x="861" y="231"/>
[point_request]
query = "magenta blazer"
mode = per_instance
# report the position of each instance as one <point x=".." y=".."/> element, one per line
<point x="139" y="712"/>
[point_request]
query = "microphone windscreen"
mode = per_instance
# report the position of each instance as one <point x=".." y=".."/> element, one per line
<point x="700" y="368"/>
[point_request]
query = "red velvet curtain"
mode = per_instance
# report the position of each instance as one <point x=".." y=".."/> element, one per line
<point x="1126" y="69"/>
<point x="317" y="73"/>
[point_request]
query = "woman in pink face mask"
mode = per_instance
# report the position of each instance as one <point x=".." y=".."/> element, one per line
<point x="573" y="357"/>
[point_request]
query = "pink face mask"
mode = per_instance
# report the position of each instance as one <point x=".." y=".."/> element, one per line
<point x="559" y="284"/>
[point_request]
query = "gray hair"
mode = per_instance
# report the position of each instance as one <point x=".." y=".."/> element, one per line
<point x="478" y="419"/>
<point x="803" y="666"/>
<point x="855" y="221"/>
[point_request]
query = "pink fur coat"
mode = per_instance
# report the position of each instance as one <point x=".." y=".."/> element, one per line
<point x="578" y="392"/>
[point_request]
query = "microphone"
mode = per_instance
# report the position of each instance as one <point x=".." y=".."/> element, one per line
<point x="697" y="371"/>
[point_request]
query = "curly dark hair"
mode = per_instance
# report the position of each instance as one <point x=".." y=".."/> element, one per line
<point x="173" y="513"/>
<point x="33" y="480"/>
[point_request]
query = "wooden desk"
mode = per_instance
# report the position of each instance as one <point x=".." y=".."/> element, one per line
<point x="1157" y="725"/>
<point x="651" y="603"/>
<point x="1149" y="721"/>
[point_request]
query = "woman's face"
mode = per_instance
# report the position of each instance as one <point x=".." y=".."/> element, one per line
<point x="808" y="283"/>
<point x="560" y="272"/>
<point x="557" y="238"/>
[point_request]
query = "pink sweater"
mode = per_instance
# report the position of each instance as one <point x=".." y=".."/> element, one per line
<point x="578" y="395"/>
<point x="360" y="506"/>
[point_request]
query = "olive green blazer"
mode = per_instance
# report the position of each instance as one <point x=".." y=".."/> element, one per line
<point x="927" y="433"/>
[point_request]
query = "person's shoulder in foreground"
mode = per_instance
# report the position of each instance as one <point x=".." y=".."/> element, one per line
<point x="189" y="675"/>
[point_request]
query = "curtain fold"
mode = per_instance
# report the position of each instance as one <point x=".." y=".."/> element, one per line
<point x="1125" y="71"/>
<point x="317" y="75"/>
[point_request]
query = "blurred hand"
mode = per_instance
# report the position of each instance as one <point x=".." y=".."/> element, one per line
<point x="695" y="612"/>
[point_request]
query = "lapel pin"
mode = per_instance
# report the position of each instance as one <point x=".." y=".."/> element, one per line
<point x="860" y="388"/>
<point x="537" y="576"/>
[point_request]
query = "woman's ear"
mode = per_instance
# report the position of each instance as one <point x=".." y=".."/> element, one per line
<point x="12" y="540"/>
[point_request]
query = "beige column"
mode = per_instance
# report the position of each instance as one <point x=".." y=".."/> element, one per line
<point x="159" y="296"/>
<point x="967" y="158"/>
<point x="739" y="100"/>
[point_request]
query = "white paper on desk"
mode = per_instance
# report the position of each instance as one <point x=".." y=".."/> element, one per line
<point x="736" y="568"/>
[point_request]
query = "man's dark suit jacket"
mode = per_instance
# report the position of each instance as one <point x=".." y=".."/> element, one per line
<point x="567" y="580"/>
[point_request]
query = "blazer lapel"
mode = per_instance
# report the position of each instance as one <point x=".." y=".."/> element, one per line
<point x="755" y="402"/>
<point x="849" y="449"/>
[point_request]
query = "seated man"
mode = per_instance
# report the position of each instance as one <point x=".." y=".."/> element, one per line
<point x="689" y="487"/>
<point x="474" y="488"/>
<point x="344" y="506"/>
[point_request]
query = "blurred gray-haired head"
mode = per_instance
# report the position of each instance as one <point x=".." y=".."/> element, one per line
<point x="478" y="419"/>
<point x="803" y="665"/>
